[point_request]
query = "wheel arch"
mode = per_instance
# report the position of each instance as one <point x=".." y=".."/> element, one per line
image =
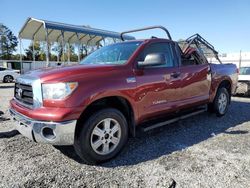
<point x="228" y="85"/>
<point x="117" y="102"/>
<point x="8" y="75"/>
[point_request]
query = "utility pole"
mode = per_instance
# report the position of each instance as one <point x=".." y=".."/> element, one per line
<point x="47" y="47"/>
<point x="21" y="58"/>
<point x="1" y="42"/>
<point x="240" y="60"/>
<point x="1" y="52"/>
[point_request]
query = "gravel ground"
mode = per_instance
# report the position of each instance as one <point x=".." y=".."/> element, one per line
<point x="203" y="151"/>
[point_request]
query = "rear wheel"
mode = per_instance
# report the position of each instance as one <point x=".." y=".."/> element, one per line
<point x="8" y="79"/>
<point x="221" y="102"/>
<point x="102" y="136"/>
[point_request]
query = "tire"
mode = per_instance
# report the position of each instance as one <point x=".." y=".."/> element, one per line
<point x="93" y="144"/>
<point x="8" y="79"/>
<point x="221" y="102"/>
<point x="247" y="94"/>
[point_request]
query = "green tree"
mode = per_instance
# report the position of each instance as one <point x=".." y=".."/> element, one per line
<point x="71" y="52"/>
<point x="42" y="54"/>
<point x="16" y="57"/>
<point x="84" y="51"/>
<point x="53" y="57"/>
<point x="58" y="49"/>
<point x="29" y="51"/>
<point x="8" y="42"/>
<point x="74" y="57"/>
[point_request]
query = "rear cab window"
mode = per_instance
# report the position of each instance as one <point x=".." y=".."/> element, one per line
<point x="193" y="59"/>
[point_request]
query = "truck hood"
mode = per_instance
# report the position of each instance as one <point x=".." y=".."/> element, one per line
<point x="244" y="78"/>
<point x="68" y="73"/>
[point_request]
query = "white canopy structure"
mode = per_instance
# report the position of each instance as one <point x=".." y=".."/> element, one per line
<point x="49" y="32"/>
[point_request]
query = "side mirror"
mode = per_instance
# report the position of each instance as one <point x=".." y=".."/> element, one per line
<point x="154" y="59"/>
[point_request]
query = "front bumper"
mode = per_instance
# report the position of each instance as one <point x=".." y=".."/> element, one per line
<point x="55" y="133"/>
<point x="243" y="87"/>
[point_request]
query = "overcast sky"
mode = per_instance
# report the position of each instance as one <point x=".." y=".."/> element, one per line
<point x="226" y="24"/>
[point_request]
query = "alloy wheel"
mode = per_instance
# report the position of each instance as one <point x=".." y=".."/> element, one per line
<point x="222" y="103"/>
<point x="105" y="136"/>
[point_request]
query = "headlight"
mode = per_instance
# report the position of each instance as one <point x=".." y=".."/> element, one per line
<point x="58" y="90"/>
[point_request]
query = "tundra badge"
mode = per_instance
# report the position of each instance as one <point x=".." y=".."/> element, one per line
<point x="131" y="80"/>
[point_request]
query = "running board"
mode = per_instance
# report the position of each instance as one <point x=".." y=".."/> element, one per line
<point x="184" y="116"/>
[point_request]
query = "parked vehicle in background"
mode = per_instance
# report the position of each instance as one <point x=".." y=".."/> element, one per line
<point x="243" y="86"/>
<point x="143" y="83"/>
<point x="8" y="75"/>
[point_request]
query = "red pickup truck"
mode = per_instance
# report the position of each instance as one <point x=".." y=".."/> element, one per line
<point x="118" y="88"/>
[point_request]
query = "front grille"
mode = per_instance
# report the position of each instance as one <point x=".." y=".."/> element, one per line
<point x="24" y="94"/>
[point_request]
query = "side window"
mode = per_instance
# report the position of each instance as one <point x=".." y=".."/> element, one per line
<point x="163" y="48"/>
<point x="2" y="69"/>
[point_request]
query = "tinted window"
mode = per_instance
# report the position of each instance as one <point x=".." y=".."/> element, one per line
<point x="2" y="69"/>
<point x="164" y="48"/>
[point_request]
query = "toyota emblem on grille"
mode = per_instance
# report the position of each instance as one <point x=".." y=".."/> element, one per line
<point x="20" y="92"/>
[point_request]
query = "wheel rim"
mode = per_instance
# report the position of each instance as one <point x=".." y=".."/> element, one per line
<point x="222" y="103"/>
<point x="8" y="79"/>
<point x="106" y="136"/>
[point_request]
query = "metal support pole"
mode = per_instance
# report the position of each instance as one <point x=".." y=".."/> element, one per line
<point x="58" y="43"/>
<point x="79" y="42"/>
<point x="98" y="43"/>
<point x="57" y="58"/>
<point x="1" y="47"/>
<point x="47" y="46"/>
<point x="240" y="60"/>
<point x="33" y="50"/>
<point x="68" y="52"/>
<point x="104" y="42"/>
<point x="57" y="55"/>
<point x="63" y="43"/>
<point x="90" y="38"/>
<point x="21" y="58"/>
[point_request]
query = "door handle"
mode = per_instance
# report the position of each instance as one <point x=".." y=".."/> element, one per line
<point x="175" y="74"/>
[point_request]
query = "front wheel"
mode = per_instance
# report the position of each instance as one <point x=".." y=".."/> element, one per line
<point x="102" y="136"/>
<point x="221" y="102"/>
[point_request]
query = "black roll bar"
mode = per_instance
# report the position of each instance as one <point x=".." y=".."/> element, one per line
<point x="202" y="40"/>
<point x="196" y="39"/>
<point x="147" y="28"/>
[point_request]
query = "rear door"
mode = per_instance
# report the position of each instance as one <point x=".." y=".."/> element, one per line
<point x="157" y="85"/>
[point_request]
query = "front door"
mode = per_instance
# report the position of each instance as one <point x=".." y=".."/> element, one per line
<point x="157" y="85"/>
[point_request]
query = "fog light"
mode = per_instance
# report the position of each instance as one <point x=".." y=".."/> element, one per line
<point x="48" y="133"/>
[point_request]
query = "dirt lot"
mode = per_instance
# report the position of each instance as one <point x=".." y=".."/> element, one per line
<point x="203" y="151"/>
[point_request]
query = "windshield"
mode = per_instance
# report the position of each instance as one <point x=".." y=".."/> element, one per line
<point x="245" y="71"/>
<point x="116" y="54"/>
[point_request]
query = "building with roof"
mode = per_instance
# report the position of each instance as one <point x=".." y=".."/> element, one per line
<point x="241" y="59"/>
